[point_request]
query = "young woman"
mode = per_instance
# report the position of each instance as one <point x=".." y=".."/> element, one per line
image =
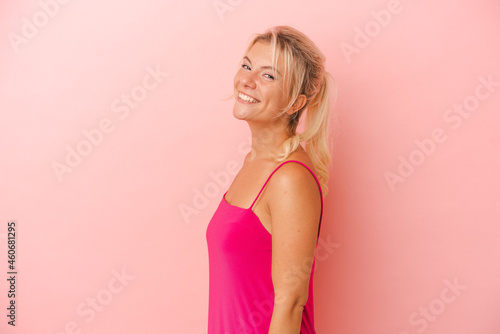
<point x="263" y="236"/>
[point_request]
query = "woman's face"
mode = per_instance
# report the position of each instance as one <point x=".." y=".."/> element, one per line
<point x="257" y="86"/>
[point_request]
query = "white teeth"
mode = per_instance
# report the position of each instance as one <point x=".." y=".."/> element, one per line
<point x="247" y="98"/>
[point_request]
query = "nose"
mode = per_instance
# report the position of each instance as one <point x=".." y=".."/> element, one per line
<point x="248" y="80"/>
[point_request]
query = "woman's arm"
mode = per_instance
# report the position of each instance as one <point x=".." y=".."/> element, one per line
<point x="294" y="203"/>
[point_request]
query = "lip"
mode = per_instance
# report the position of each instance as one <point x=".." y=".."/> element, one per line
<point x="246" y="102"/>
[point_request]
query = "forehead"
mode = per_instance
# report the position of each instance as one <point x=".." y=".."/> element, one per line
<point x="261" y="54"/>
<point x="261" y="48"/>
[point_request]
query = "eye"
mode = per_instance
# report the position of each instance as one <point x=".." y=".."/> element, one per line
<point x="269" y="76"/>
<point x="245" y="66"/>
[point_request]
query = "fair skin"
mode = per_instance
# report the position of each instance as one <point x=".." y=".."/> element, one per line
<point x="289" y="208"/>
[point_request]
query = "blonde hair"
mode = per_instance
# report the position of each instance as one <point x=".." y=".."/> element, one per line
<point x="305" y="73"/>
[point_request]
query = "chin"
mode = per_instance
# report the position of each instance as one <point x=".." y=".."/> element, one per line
<point x="239" y="113"/>
<point x="240" y="117"/>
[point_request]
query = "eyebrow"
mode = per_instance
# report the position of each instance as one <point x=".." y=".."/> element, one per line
<point x="264" y="67"/>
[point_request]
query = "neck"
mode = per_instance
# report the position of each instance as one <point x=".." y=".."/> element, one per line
<point x="267" y="139"/>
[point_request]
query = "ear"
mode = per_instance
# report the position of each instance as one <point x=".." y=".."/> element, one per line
<point x="299" y="104"/>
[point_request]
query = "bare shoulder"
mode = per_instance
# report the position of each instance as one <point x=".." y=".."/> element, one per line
<point x="293" y="186"/>
<point x="295" y="180"/>
<point x="294" y="204"/>
<point x="293" y="174"/>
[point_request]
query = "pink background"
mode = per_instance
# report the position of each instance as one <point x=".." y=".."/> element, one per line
<point x="388" y="253"/>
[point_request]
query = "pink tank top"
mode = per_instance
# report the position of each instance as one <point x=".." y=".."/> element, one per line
<point x="241" y="293"/>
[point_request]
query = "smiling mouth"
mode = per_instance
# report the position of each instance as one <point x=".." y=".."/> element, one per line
<point x="247" y="98"/>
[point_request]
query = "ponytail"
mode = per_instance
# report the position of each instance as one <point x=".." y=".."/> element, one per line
<point x="317" y="134"/>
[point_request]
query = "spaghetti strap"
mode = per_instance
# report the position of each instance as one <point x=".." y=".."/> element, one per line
<point x="255" y="200"/>
<point x="319" y="186"/>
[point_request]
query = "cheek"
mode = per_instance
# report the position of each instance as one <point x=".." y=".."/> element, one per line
<point x="280" y="99"/>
